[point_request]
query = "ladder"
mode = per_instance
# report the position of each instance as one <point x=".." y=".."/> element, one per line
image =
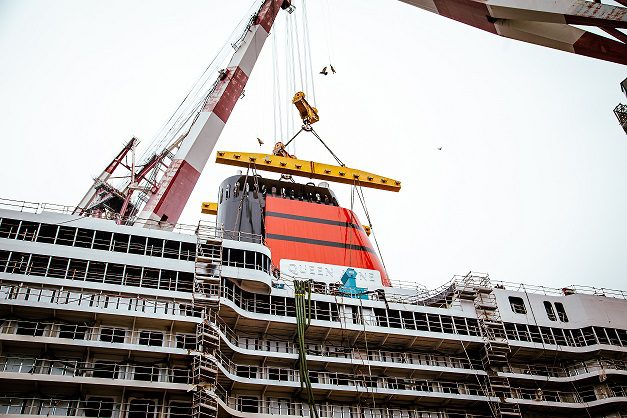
<point x="206" y="296"/>
<point x="476" y="287"/>
<point x="208" y="267"/>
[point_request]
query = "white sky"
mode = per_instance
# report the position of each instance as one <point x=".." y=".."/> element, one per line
<point x="531" y="184"/>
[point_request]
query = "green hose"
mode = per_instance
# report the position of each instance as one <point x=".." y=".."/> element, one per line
<point x="302" y="289"/>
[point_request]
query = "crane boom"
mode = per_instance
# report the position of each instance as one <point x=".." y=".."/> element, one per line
<point x="166" y="203"/>
<point x="546" y="23"/>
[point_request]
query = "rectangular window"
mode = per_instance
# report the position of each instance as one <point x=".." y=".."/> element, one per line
<point x="77" y="269"/>
<point x="34" y="329"/>
<point x="27" y="231"/>
<point x="248" y="404"/>
<point x="151" y="338"/>
<point x="47" y="233"/>
<point x="146" y="373"/>
<point x="102" y="240"/>
<point x="58" y="267"/>
<point x="138" y="245"/>
<point x="113" y="335"/>
<point x="105" y="370"/>
<point x="171" y="249"/>
<point x="120" y="242"/>
<point x="84" y="238"/>
<point x="142" y="408"/>
<point x="155" y="247"/>
<point x="8" y="228"/>
<point x="188" y="251"/>
<point x="73" y="331"/>
<point x="517" y="305"/>
<point x="99" y="407"/>
<point x="180" y="409"/>
<point x="548" y="307"/>
<point x="245" y="371"/>
<point x="96" y="271"/>
<point x="133" y="276"/>
<point x="66" y="235"/>
<point x="186" y="341"/>
<point x="561" y="313"/>
<point x="38" y="265"/>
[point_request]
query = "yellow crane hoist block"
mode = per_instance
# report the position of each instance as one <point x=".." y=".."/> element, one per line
<point x="209" y="208"/>
<point x="310" y="169"/>
<point x="308" y="113"/>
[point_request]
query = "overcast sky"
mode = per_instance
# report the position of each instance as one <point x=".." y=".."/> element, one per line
<point x="530" y="185"/>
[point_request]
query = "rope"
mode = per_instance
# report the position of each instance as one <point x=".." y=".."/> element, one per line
<point x="362" y="198"/>
<point x="302" y="300"/>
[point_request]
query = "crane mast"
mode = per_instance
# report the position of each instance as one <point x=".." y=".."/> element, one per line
<point x="165" y="204"/>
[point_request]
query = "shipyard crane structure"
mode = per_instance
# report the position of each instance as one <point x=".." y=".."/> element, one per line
<point x="159" y="186"/>
<point x="546" y="23"/>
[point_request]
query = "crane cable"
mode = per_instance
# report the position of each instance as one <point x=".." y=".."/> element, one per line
<point x="362" y="199"/>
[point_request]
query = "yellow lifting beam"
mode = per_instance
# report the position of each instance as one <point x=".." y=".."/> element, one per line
<point x="310" y="169"/>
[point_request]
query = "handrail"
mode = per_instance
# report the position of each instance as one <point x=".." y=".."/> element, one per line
<point x="93" y="333"/>
<point x="361" y="355"/>
<point x="118" y="371"/>
<point x="69" y="297"/>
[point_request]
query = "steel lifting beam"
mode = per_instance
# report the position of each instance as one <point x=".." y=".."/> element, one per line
<point x="546" y="23"/>
<point x="310" y="169"/>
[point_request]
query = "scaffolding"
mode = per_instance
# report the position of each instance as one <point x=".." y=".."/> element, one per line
<point x="206" y="296"/>
<point x="621" y="114"/>
<point x="476" y="287"/>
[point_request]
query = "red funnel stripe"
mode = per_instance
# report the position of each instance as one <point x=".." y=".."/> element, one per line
<point x="318" y="233"/>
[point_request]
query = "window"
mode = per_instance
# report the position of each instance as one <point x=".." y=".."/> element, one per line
<point x="99" y="407"/>
<point x="142" y="408"/>
<point x="151" y="338"/>
<point x="75" y="332"/>
<point x="8" y="228"/>
<point x="113" y="335"/>
<point x="47" y="233"/>
<point x="248" y="404"/>
<point x="517" y="304"/>
<point x="102" y="240"/>
<point x="278" y="374"/>
<point x="180" y="409"/>
<point x="120" y="242"/>
<point x="249" y="372"/>
<point x="105" y="370"/>
<point x="549" y="311"/>
<point x="66" y="235"/>
<point x="84" y="238"/>
<point x="30" y="328"/>
<point x="146" y="373"/>
<point x="186" y="341"/>
<point x="561" y="313"/>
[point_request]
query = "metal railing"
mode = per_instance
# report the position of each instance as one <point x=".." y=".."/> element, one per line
<point x="106" y="334"/>
<point x="35" y="207"/>
<point x="98" y="369"/>
<point x="100" y="406"/>
<point x="370" y="383"/>
<point x="129" y="304"/>
<point x="290" y="407"/>
<point x="567" y="370"/>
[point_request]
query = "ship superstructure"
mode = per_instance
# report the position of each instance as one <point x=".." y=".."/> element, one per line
<point x="105" y="320"/>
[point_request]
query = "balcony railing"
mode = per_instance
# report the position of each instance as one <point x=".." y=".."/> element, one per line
<point x="97" y="369"/>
